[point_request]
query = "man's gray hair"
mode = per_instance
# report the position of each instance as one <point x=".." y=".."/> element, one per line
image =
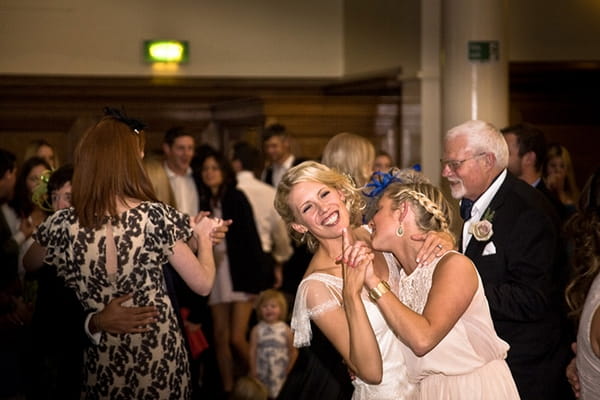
<point x="482" y="137"/>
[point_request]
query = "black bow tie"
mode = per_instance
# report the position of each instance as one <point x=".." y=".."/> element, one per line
<point x="465" y="208"/>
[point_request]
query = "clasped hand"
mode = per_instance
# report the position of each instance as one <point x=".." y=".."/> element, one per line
<point x="214" y="228"/>
<point x="357" y="263"/>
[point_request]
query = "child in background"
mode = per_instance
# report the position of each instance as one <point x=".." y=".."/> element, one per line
<point x="272" y="353"/>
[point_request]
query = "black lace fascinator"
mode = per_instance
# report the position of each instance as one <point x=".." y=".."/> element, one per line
<point x="136" y="125"/>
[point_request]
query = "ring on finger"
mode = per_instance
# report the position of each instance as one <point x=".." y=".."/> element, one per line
<point x="439" y="246"/>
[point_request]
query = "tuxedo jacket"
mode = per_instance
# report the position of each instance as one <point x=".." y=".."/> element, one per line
<point x="520" y="272"/>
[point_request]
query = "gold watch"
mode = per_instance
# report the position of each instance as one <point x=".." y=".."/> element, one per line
<point x="382" y="288"/>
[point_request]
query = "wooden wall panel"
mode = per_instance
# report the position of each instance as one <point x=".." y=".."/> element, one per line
<point x="562" y="100"/>
<point x="217" y="111"/>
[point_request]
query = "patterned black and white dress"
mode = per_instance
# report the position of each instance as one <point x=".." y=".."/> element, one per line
<point x="150" y="365"/>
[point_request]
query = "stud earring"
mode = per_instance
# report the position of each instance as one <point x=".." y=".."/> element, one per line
<point x="400" y="231"/>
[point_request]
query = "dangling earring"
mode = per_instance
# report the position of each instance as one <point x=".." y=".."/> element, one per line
<point x="400" y="231"/>
<point x="303" y="238"/>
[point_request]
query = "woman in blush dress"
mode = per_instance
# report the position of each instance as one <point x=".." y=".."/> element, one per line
<point x="439" y="311"/>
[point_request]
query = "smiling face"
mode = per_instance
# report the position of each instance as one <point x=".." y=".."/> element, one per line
<point x="179" y="155"/>
<point x="319" y="209"/>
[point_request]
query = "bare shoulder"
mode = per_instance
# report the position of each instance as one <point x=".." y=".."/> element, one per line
<point x="456" y="264"/>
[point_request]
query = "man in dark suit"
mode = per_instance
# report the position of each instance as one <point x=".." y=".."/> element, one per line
<point x="517" y="262"/>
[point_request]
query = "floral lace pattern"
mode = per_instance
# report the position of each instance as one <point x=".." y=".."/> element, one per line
<point x="414" y="289"/>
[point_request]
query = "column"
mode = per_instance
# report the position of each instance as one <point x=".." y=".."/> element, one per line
<point x="474" y="62"/>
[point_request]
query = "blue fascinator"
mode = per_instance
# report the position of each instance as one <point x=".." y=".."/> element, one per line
<point x="381" y="180"/>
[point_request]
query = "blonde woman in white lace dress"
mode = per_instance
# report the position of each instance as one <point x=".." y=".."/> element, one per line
<point x="315" y="201"/>
<point x="438" y="311"/>
<point x="319" y="205"/>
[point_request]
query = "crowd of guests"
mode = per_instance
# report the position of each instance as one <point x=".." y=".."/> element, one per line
<point x="170" y="274"/>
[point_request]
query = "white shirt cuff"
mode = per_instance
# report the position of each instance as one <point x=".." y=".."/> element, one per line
<point x="94" y="337"/>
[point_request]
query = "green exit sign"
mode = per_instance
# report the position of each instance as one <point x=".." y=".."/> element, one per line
<point x="484" y="50"/>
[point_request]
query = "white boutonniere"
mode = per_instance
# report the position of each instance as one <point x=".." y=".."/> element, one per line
<point x="483" y="230"/>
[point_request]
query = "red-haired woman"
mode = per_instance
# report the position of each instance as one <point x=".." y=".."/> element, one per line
<point x="113" y="242"/>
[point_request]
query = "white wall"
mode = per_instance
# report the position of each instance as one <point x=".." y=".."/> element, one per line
<point x="269" y="38"/>
<point x="264" y="38"/>
<point x="382" y="34"/>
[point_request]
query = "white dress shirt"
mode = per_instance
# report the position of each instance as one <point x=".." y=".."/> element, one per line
<point x="479" y="208"/>
<point x="185" y="191"/>
<point x="271" y="228"/>
<point x="280" y="169"/>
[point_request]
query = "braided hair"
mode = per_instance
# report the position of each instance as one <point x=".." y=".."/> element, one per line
<point x="432" y="210"/>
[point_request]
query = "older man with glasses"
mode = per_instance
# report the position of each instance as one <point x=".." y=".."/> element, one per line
<point x="511" y="233"/>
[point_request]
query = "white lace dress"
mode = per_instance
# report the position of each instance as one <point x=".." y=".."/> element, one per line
<point x="320" y="293"/>
<point x="469" y="363"/>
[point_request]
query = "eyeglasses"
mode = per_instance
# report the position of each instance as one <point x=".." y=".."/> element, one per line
<point x="455" y="164"/>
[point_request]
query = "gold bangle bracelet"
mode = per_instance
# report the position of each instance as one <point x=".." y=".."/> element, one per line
<point x="382" y="288"/>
